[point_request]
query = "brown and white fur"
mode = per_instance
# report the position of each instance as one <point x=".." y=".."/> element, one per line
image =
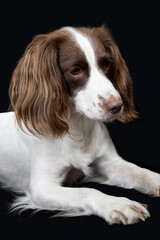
<point x="67" y="83"/>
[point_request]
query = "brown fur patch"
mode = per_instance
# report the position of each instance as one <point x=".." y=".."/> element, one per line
<point x="38" y="91"/>
<point x="70" y="56"/>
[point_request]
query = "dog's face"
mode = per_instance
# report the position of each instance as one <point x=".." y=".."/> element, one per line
<point x="86" y="62"/>
<point x="78" y="66"/>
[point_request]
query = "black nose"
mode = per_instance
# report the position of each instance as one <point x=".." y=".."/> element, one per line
<point x="114" y="105"/>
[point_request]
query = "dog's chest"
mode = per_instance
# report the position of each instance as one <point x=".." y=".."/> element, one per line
<point x="81" y="150"/>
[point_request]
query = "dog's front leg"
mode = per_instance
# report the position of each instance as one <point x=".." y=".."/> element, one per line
<point x="47" y="193"/>
<point x="120" y="173"/>
<point x="111" y="169"/>
<point x="87" y="201"/>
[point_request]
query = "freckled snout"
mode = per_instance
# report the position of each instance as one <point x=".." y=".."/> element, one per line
<point x="113" y="104"/>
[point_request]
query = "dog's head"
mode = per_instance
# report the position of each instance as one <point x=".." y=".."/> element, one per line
<point x="81" y="67"/>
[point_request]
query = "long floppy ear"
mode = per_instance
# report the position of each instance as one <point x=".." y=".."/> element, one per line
<point x="37" y="90"/>
<point x="120" y="77"/>
<point x="123" y="83"/>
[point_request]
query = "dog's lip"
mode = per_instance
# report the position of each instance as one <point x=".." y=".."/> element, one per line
<point x="104" y="118"/>
<point x="112" y="118"/>
<point x="115" y="116"/>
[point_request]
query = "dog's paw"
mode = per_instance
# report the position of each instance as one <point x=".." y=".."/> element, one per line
<point x="152" y="184"/>
<point x="158" y="192"/>
<point x="154" y="192"/>
<point x="126" y="211"/>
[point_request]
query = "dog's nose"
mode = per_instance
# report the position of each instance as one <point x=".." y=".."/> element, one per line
<point x="114" y="104"/>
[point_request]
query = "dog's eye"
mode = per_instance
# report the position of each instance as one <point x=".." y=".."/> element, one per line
<point x="107" y="64"/>
<point x="75" y="71"/>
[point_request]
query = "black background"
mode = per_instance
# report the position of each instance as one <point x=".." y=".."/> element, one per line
<point x="135" y="26"/>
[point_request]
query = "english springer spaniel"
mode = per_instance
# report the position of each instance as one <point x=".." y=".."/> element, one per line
<point x="66" y="84"/>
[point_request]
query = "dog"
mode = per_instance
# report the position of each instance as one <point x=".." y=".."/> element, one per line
<point x="65" y="86"/>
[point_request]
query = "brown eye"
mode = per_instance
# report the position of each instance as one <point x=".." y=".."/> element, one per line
<point x="75" y="71"/>
<point x="107" y="64"/>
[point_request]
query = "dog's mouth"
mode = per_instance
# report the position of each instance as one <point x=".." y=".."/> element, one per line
<point x="102" y="115"/>
<point x="107" y="118"/>
<point x="111" y="117"/>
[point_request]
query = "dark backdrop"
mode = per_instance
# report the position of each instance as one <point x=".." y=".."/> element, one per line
<point x="135" y="26"/>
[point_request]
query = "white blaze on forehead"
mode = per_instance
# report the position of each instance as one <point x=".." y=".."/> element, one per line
<point x="85" y="45"/>
<point x="98" y="81"/>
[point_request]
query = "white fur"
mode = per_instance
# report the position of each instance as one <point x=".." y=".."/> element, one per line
<point x="37" y="166"/>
